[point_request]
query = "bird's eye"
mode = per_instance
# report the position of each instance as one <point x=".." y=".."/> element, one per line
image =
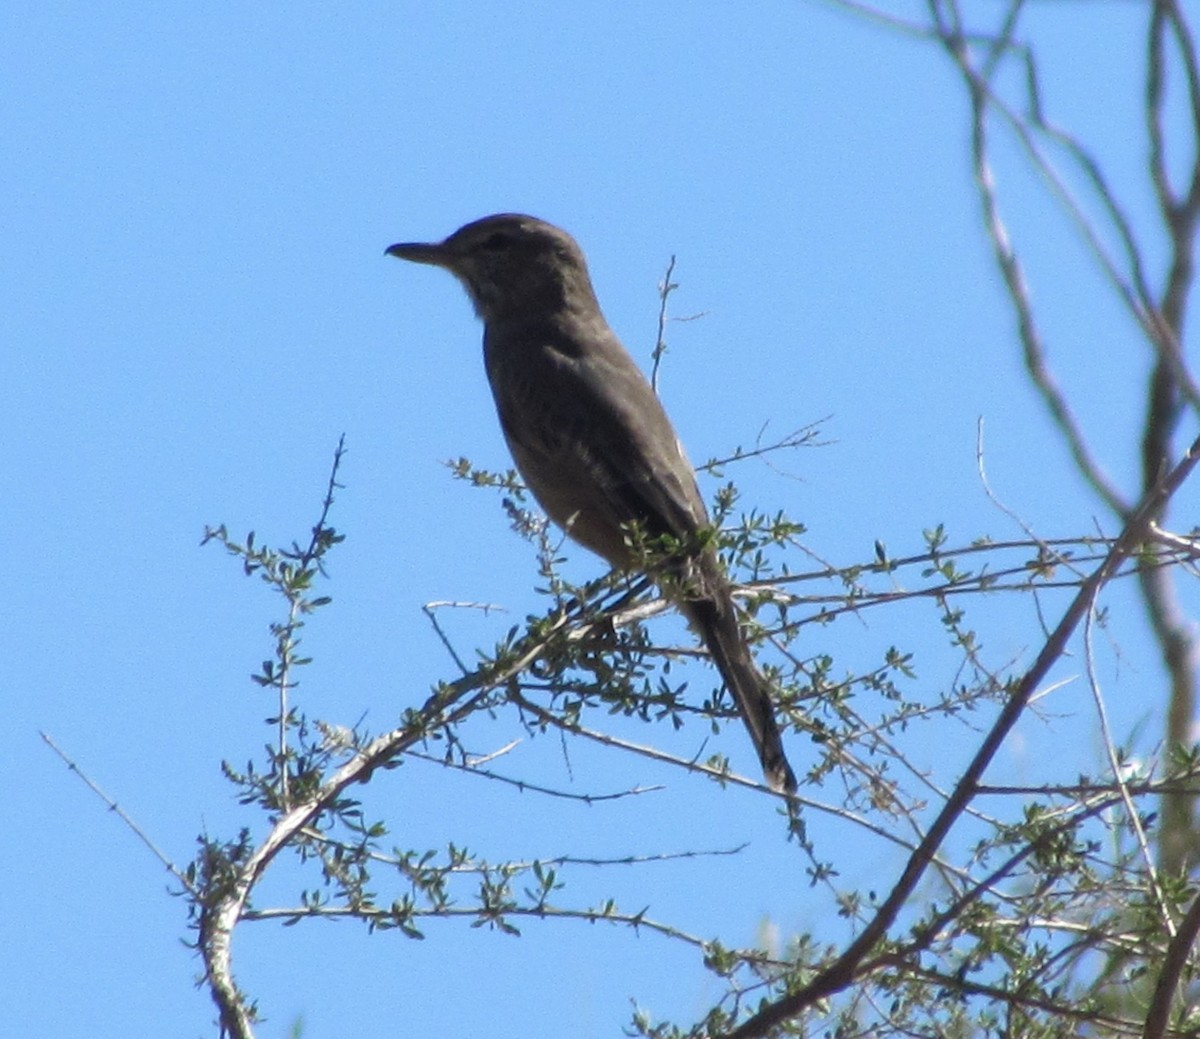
<point x="496" y="241"/>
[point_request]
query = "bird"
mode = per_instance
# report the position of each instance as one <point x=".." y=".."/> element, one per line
<point x="592" y="440"/>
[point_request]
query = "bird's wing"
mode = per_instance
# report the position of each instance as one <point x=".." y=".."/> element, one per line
<point x="590" y="436"/>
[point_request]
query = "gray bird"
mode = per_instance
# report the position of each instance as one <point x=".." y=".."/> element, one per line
<point x="591" y="438"/>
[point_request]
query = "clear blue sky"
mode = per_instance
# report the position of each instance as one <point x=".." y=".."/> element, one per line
<point x="195" y="305"/>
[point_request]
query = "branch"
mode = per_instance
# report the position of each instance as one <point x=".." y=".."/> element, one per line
<point x="447" y="706"/>
<point x="482" y="915"/>
<point x="121" y="814"/>
<point x="1169" y="384"/>
<point x="846" y="967"/>
<point x="1014" y="280"/>
<point x="1174" y="964"/>
<point x="665" y="288"/>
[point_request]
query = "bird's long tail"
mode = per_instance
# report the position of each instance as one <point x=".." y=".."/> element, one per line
<point x="714" y="619"/>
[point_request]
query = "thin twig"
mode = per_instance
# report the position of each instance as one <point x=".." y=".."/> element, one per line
<point x="665" y="288"/>
<point x="1119" y="781"/>
<point x="473" y="768"/>
<point x="287" y="637"/>
<point x="994" y="498"/>
<point x="121" y="814"/>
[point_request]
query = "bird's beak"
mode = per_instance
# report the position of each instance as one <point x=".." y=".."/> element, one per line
<point x="434" y="253"/>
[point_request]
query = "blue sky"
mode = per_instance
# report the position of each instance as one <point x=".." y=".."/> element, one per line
<point x="196" y="305"/>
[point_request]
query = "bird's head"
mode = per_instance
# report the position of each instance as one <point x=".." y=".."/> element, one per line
<point x="510" y="265"/>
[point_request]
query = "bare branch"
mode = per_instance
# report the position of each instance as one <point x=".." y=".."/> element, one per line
<point x="1014" y="280"/>
<point x="473" y="768"/>
<point x="1174" y="965"/>
<point x="121" y="814"/>
<point x="1120" y="781"/>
